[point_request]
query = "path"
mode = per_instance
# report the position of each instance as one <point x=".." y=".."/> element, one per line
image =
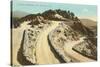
<point x="44" y="54"/>
<point x="73" y="54"/>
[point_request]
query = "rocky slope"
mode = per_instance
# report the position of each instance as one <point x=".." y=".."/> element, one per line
<point x="64" y="39"/>
<point x="48" y="15"/>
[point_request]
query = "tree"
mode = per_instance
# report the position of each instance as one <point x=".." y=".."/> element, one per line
<point x="76" y="19"/>
<point x="15" y="22"/>
<point x="68" y="11"/>
<point x="72" y="15"/>
<point x="68" y="14"/>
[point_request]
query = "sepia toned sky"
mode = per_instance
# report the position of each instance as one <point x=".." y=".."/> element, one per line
<point x="82" y="11"/>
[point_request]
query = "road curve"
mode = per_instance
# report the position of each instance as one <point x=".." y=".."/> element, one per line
<point x="73" y="54"/>
<point x="44" y="55"/>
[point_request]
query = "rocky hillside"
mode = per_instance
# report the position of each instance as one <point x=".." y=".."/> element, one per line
<point x="65" y="37"/>
<point x="58" y="15"/>
<point x="47" y="15"/>
<point x="57" y="33"/>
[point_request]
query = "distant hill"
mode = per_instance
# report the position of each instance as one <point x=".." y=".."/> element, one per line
<point x="16" y="16"/>
<point x="19" y="14"/>
<point x="89" y="23"/>
<point x="92" y="25"/>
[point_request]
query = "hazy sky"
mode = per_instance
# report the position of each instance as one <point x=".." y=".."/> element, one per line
<point x="82" y="11"/>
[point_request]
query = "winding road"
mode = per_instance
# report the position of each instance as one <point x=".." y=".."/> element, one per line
<point x="73" y="54"/>
<point x="44" y="54"/>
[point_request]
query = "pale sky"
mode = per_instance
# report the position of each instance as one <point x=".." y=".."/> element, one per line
<point x="82" y="11"/>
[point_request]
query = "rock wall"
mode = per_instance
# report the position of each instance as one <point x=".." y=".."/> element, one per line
<point x="29" y="46"/>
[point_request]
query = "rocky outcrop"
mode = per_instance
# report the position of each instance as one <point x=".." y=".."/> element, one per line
<point x="38" y="20"/>
<point x="29" y="46"/>
<point x="61" y="35"/>
<point x="87" y="48"/>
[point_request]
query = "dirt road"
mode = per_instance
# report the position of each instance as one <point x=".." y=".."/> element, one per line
<point x="73" y="54"/>
<point x="44" y="54"/>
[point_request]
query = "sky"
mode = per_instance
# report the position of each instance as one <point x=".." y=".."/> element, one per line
<point x="82" y="11"/>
